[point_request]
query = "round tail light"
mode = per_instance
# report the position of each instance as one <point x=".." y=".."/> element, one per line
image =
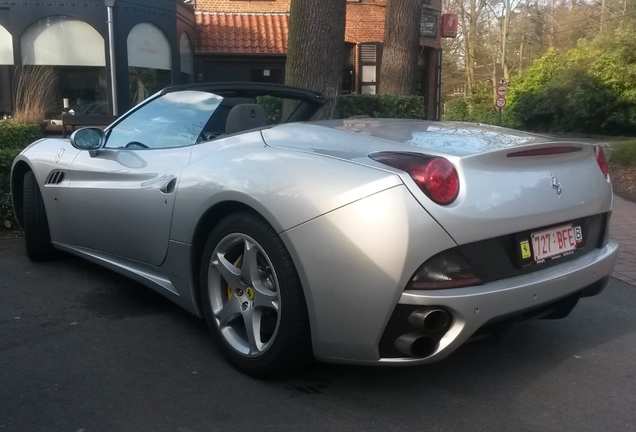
<point x="435" y="176"/>
<point x="441" y="181"/>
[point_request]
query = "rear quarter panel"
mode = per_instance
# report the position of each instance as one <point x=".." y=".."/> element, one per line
<point x="286" y="187"/>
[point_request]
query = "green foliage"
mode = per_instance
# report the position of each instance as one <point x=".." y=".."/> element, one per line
<point x="456" y="109"/>
<point x="273" y="107"/>
<point x="356" y="105"/>
<point x="623" y="153"/>
<point x="571" y="92"/>
<point x="381" y="106"/>
<point x="478" y="108"/>
<point x="13" y="138"/>
<point x="18" y="135"/>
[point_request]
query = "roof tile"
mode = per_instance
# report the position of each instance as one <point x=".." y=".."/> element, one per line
<point x="242" y="32"/>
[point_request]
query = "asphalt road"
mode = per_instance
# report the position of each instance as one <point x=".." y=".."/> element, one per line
<point x="83" y="349"/>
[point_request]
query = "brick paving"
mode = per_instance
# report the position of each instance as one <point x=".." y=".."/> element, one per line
<point x="623" y="229"/>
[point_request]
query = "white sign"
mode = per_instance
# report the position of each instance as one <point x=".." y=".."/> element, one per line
<point x="500" y="102"/>
<point x="502" y="90"/>
<point x="502" y="80"/>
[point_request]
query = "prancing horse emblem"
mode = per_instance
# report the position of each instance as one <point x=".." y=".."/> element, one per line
<point x="58" y="156"/>
<point x="556" y="185"/>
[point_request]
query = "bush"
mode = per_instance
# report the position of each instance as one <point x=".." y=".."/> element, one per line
<point x="478" y="108"/>
<point x="588" y="89"/>
<point x="381" y="106"/>
<point x="13" y="138"/>
<point x="273" y="107"/>
<point x="456" y="109"/>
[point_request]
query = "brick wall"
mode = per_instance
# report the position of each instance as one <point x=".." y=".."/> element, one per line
<point x="243" y="5"/>
<point x="365" y="21"/>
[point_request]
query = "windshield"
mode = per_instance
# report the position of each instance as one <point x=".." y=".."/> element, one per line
<point x="172" y="120"/>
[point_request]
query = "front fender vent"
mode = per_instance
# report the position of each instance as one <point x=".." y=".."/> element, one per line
<point x="56" y="177"/>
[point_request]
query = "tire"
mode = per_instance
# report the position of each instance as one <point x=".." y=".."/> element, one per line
<point x="252" y="298"/>
<point x="36" y="225"/>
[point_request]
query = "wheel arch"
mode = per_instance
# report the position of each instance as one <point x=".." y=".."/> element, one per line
<point x="208" y="221"/>
<point x="17" y="183"/>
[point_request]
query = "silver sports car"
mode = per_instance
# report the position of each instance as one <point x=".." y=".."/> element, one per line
<point x="366" y="241"/>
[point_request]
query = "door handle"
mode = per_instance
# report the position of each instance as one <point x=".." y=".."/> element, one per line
<point x="168" y="185"/>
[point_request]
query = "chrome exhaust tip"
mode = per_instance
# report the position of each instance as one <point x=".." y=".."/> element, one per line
<point x="431" y="320"/>
<point x="416" y="344"/>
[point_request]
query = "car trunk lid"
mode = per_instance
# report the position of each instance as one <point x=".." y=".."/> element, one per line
<point x="510" y="181"/>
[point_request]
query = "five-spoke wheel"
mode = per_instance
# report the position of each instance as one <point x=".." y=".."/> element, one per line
<point x="252" y="297"/>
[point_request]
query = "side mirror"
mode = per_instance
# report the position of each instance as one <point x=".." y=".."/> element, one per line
<point x="88" y="139"/>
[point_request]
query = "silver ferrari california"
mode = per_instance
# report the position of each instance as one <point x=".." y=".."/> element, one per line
<point x="366" y="241"/>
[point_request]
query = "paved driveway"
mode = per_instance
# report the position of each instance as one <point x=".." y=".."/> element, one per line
<point x="83" y="349"/>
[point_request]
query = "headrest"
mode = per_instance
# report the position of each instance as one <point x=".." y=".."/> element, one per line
<point x="245" y="116"/>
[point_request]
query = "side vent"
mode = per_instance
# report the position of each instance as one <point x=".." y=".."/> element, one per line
<point x="56" y="177"/>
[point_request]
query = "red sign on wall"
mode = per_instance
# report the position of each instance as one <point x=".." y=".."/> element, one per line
<point x="449" y="25"/>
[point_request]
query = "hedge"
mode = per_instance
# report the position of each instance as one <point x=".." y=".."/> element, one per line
<point x="378" y="106"/>
<point x="381" y="106"/>
<point x="13" y="138"/>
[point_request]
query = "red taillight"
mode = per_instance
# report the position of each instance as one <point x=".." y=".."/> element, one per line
<point x="435" y="176"/>
<point x="600" y="159"/>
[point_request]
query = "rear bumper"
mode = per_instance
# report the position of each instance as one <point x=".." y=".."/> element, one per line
<point x="475" y="307"/>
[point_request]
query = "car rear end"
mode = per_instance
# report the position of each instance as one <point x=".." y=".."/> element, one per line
<point x="532" y="228"/>
<point x="528" y="221"/>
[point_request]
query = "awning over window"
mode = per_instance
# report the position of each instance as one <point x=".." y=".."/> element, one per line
<point x="149" y="48"/>
<point x="185" y="50"/>
<point x="6" y="47"/>
<point x="62" y="41"/>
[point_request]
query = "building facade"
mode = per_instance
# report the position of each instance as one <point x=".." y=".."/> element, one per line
<point x="106" y="55"/>
<point x="247" y="40"/>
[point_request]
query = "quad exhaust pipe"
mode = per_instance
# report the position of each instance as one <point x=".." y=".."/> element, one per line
<point x="431" y="320"/>
<point x="430" y="324"/>
<point x="416" y="344"/>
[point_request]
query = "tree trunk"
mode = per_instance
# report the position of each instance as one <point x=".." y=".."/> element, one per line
<point x="468" y="70"/>
<point x="399" y="73"/>
<point x="603" y="15"/>
<point x="315" y="51"/>
<point x="470" y="19"/>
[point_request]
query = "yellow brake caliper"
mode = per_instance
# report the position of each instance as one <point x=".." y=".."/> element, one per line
<point x="238" y="263"/>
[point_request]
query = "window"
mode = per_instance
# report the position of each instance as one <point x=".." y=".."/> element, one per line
<point x="370" y="55"/>
<point x="74" y="52"/>
<point x="6" y="47"/>
<point x="172" y="120"/>
<point x="62" y="41"/>
<point x="149" y="61"/>
<point x="186" y="58"/>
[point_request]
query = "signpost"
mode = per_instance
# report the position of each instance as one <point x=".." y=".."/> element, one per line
<point x="500" y="100"/>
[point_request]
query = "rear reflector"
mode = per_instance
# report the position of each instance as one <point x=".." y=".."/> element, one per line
<point x="435" y="176"/>
<point x="545" y="151"/>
